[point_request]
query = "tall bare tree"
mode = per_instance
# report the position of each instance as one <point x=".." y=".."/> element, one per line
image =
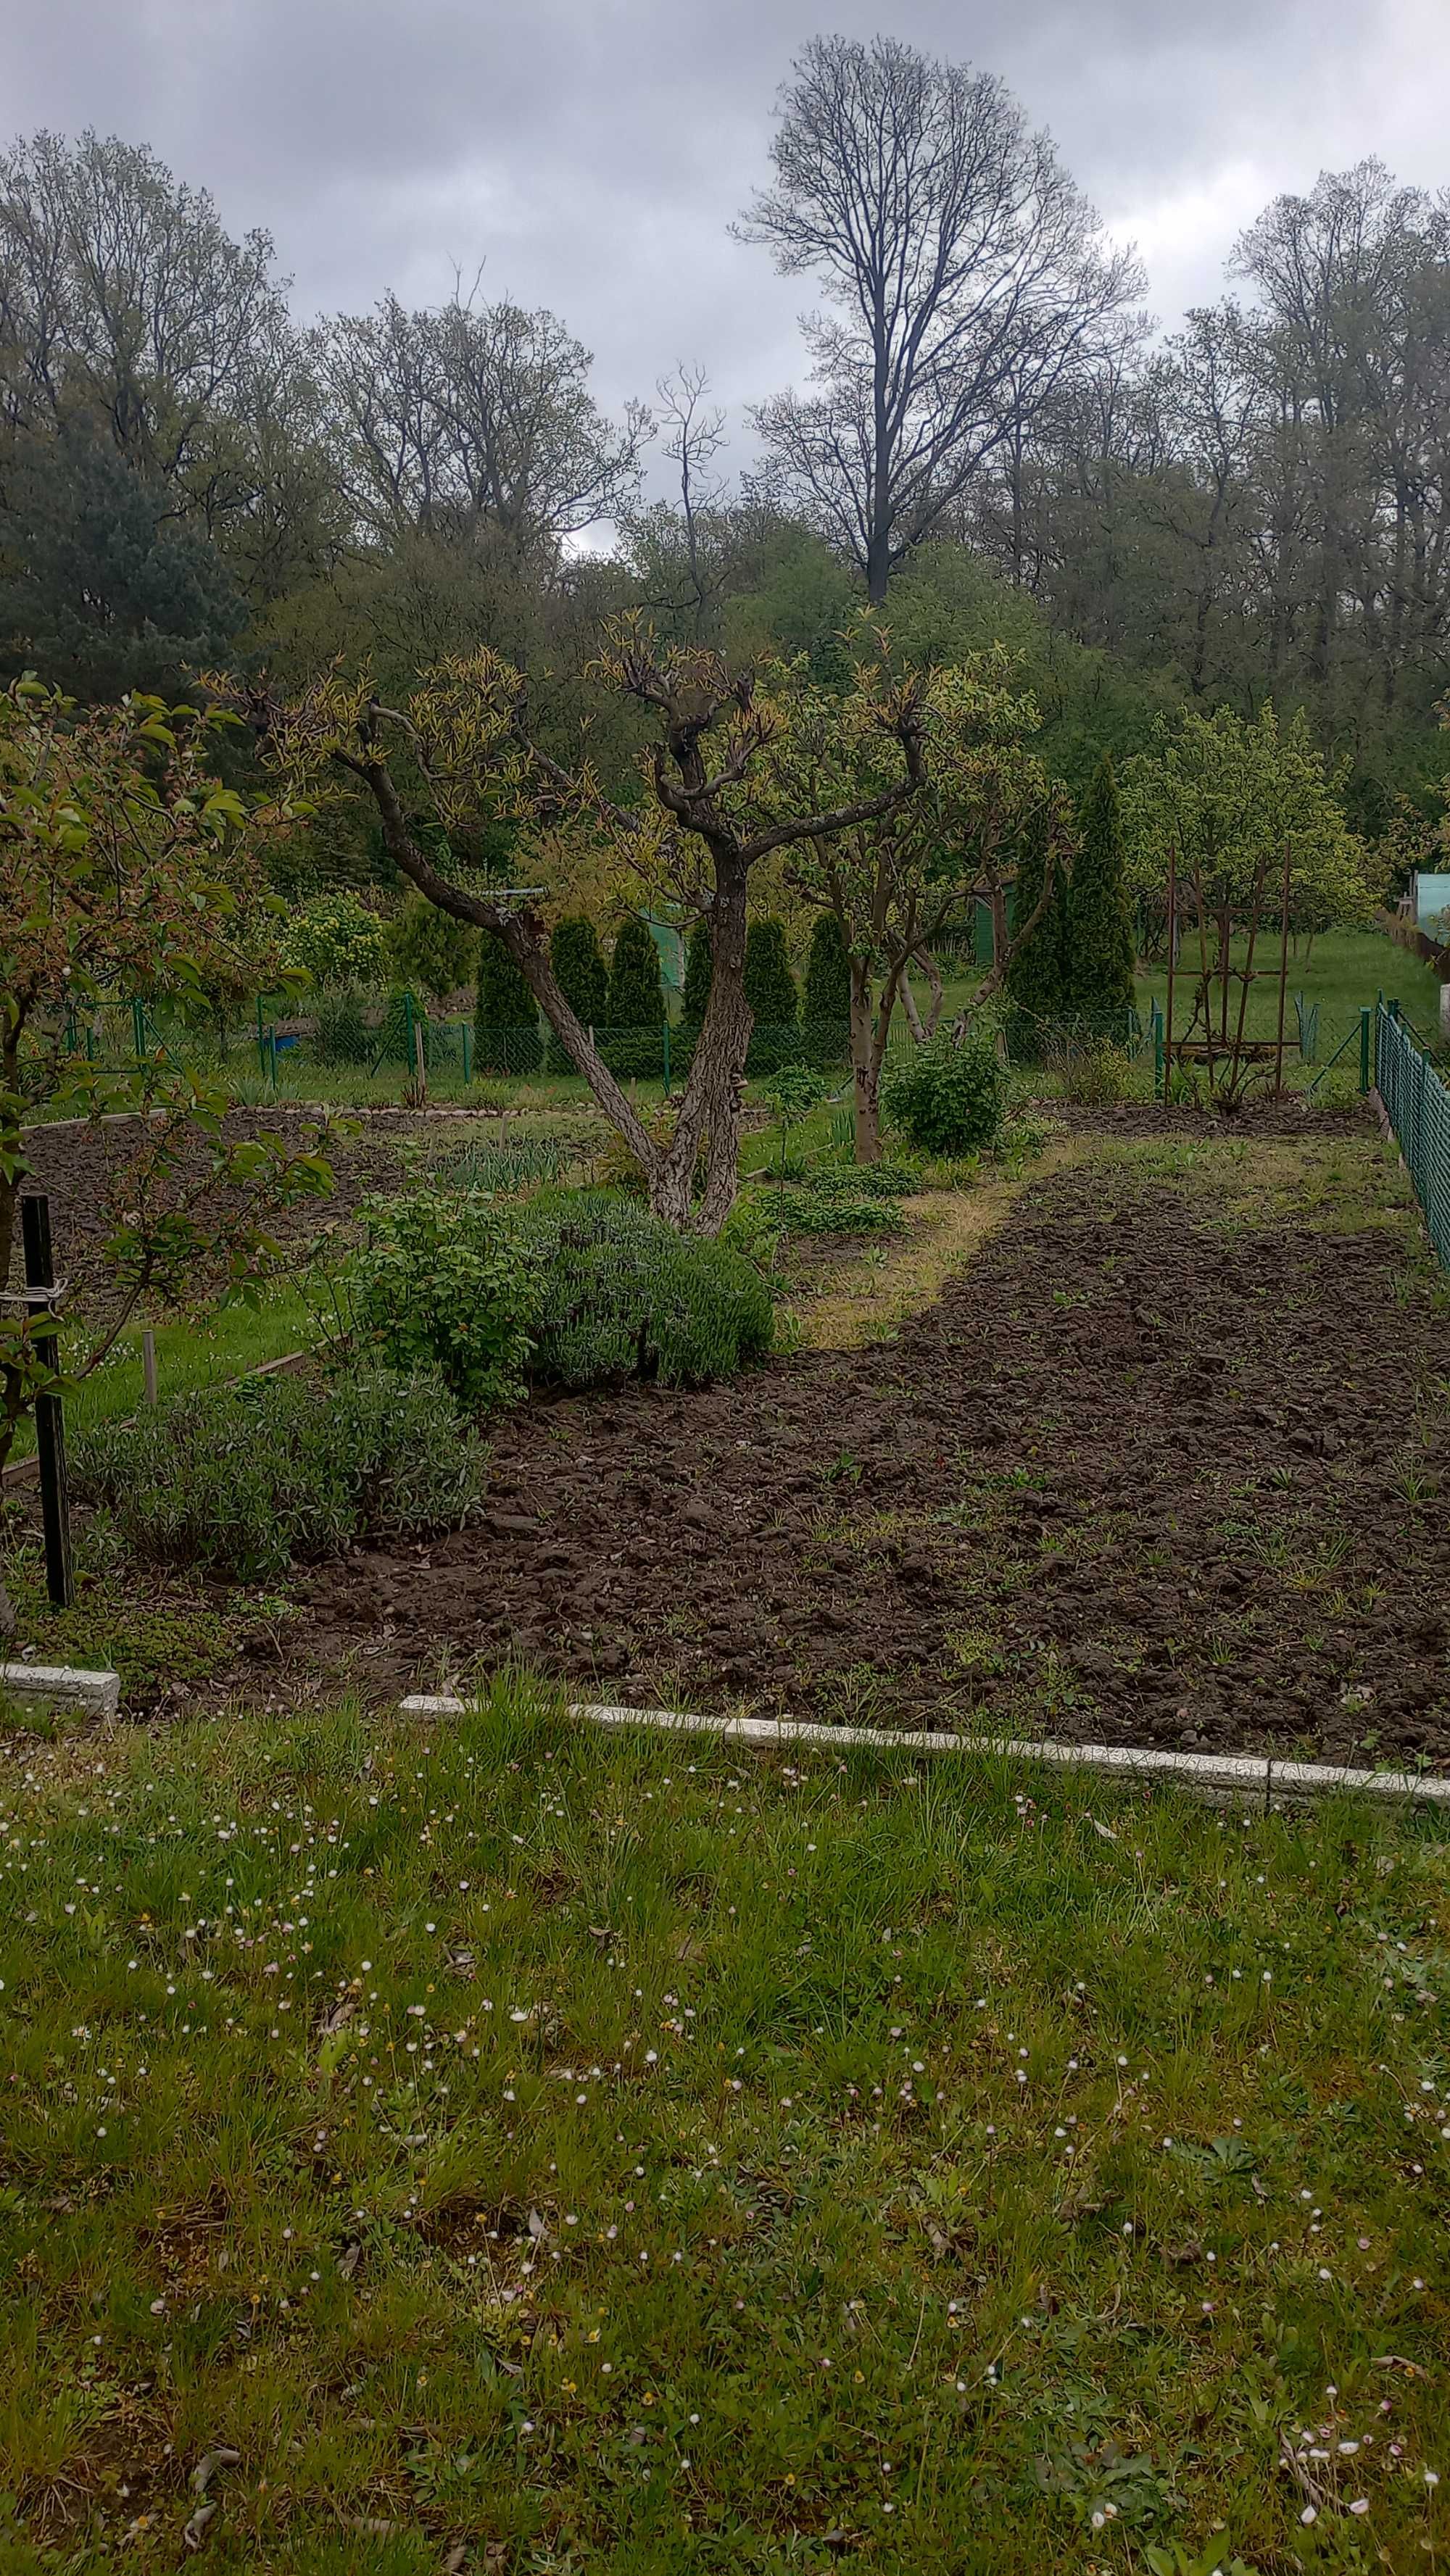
<point x="473" y="415"/>
<point x="129" y="314"/>
<point x="964" y="272"/>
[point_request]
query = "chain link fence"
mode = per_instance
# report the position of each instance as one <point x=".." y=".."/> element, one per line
<point x="1416" y="1101"/>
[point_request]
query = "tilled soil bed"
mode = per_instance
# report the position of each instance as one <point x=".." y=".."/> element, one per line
<point x="1138" y="1477"/>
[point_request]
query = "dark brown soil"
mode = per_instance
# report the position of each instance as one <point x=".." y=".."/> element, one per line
<point x="1136" y="1478"/>
<point x="84" y="1167"/>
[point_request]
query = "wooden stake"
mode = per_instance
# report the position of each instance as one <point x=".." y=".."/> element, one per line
<point x="1283" y="974"/>
<point x="49" y="1419"/>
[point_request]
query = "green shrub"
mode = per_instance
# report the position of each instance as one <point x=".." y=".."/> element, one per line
<point x="442" y="1282"/>
<point x="340" y="1034"/>
<point x="336" y="940"/>
<point x="1097" y="1076"/>
<point x="623" y="1295"/>
<point x="245" y="1479"/>
<point x="948" y="1098"/>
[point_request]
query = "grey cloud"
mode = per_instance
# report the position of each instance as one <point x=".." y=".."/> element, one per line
<point x="592" y="155"/>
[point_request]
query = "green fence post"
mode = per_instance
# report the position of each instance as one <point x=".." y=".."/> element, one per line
<point x="1364" y="1048"/>
<point x="467" y="1054"/>
<point x="261" y="1038"/>
<point x="138" y="1030"/>
<point x="272" y="1055"/>
<point x="667" y="1059"/>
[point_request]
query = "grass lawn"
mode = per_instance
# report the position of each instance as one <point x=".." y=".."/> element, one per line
<point x="191" y="1352"/>
<point x="488" y="2145"/>
<point x="1344" y="971"/>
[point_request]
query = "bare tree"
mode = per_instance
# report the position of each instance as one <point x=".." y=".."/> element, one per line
<point x="966" y="273"/>
<point x="473" y="414"/>
<point x="123" y="297"/>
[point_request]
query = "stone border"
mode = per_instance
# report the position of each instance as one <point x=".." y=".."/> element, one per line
<point x="95" y="1694"/>
<point x="1257" y="1777"/>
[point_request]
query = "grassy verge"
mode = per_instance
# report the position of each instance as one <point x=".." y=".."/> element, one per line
<point x="191" y="1352"/>
<point x="495" y="2147"/>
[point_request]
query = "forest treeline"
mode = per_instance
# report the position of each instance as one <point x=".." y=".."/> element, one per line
<point x="995" y="444"/>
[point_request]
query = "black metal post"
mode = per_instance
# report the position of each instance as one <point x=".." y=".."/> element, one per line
<point x="49" y="1419"/>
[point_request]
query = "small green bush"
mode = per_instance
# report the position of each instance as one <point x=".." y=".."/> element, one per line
<point x="1097" y="1076"/>
<point x="948" y="1098"/>
<point x="245" y="1479"/>
<point x="623" y="1295"/>
<point x="442" y="1281"/>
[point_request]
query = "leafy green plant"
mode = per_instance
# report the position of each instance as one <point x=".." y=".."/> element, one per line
<point x="442" y="1281"/>
<point x="621" y="1294"/>
<point x="948" y="1098"/>
<point x="244" y="1479"/>
<point x="515" y="1163"/>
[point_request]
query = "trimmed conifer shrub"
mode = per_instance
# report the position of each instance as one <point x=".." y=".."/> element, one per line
<point x="770" y="989"/>
<point x="1100" y="953"/>
<point x="583" y="977"/>
<point x="506" y="1035"/>
<point x="1036" y="980"/>
<point x="826" y="1001"/>
<point x="635" y="1011"/>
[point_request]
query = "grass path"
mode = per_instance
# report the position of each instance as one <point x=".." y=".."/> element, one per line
<point x="487" y="2146"/>
<point x="869" y="1297"/>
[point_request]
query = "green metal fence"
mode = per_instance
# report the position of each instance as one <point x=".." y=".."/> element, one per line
<point x="1417" y="1105"/>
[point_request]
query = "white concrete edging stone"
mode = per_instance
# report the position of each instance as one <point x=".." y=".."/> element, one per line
<point x="1238" y="1775"/>
<point x="98" y="1694"/>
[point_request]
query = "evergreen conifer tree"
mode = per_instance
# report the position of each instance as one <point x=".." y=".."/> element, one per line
<point x="770" y="990"/>
<point x="583" y="978"/>
<point x="826" y="1003"/>
<point x="1100" y="954"/>
<point x="635" y="1013"/>
<point x="1035" y="977"/>
<point x="506" y="1035"/>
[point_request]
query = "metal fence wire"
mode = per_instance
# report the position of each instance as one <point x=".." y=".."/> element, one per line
<point x="1417" y="1104"/>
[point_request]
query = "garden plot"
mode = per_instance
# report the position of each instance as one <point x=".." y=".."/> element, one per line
<point x="1159" y="1467"/>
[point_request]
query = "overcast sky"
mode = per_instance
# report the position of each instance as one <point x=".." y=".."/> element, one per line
<point x="591" y="152"/>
